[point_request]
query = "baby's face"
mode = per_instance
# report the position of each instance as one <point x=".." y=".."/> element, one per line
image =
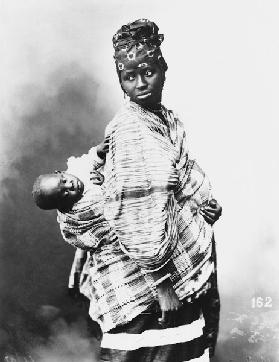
<point x="66" y="188"/>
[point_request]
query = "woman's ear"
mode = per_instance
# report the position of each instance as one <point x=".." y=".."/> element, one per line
<point x="119" y="78"/>
<point x="125" y="94"/>
<point x="163" y="78"/>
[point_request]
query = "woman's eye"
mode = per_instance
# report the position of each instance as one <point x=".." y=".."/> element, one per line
<point x="149" y="73"/>
<point x="131" y="77"/>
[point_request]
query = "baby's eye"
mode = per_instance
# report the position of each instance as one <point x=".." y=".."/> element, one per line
<point x="65" y="193"/>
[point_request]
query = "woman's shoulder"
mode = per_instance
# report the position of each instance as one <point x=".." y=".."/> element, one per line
<point x="174" y="119"/>
<point x="126" y="116"/>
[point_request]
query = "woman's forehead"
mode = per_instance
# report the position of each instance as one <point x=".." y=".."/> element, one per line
<point x="140" y="64"/>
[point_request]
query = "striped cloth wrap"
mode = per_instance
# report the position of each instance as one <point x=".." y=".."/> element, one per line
<point x="153" y="191"/>
<point x="85" y="226"/>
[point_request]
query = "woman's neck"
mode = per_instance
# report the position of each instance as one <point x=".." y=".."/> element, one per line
<point x="154" y="107"/>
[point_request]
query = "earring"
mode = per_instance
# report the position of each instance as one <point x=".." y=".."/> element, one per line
<point x="126" y="97"/>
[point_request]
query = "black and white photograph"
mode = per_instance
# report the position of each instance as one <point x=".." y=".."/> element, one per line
<point x="139" y="180"/>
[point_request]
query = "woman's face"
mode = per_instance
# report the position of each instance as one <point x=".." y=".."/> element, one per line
<point x="143" y="83"/>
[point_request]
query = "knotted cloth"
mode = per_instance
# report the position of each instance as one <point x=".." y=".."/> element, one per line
<point x="138" y="40"/>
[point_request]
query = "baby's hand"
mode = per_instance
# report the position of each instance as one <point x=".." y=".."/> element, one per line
<point x="96" y="177"/>
<point x="103" y="148"/>
<point x="211" y="212"/>
<point x="73" y="290"/>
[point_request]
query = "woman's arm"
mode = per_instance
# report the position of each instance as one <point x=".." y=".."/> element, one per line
<point x="194" y="188"/>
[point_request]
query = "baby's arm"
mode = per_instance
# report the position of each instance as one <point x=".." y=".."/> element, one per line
<point x="103" y="148"/>
<point x="97" y="154"/>
<point x="76" y="270"/>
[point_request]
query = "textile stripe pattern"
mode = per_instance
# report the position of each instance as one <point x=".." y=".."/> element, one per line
<point x="143" y="340"/>
<point x="89" y="225"/>
<point x="122" y="287"/>
<point x="140" y="175"/>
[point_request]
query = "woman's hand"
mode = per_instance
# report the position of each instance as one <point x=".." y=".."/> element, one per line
<point x="211" y="212"/>
<point x="169" y="303"/>
<point x="103" y="148"/>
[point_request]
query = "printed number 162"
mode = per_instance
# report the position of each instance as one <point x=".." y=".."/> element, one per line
<point x="260" y="302"/>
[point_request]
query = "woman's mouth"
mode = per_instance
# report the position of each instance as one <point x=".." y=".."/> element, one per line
<point x="144" y="95"/>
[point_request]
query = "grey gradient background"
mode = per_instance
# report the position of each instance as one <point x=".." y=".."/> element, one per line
<point x="58" y="91"/>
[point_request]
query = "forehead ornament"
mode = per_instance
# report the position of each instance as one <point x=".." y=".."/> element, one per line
<point x="150" y="53"/>
<point x="141" y="65"/>
<point x="120" y="66"/>
<point x="131" y="55"/>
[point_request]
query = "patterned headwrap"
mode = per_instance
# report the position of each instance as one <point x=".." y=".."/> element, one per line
<point x="138" y="40"/>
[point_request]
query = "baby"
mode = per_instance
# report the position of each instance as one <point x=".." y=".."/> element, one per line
<point x="78" y="197"/>
<point x="65" y="190"/>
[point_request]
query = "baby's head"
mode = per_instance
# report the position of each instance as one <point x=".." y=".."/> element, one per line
<point x="57" y="190"/>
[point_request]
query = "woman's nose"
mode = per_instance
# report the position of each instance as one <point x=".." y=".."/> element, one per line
<point x="141" y="83"/>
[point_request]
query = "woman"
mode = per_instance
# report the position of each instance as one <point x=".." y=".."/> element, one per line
<point x="155" y="200"/>
<point x="149" y="281"/>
